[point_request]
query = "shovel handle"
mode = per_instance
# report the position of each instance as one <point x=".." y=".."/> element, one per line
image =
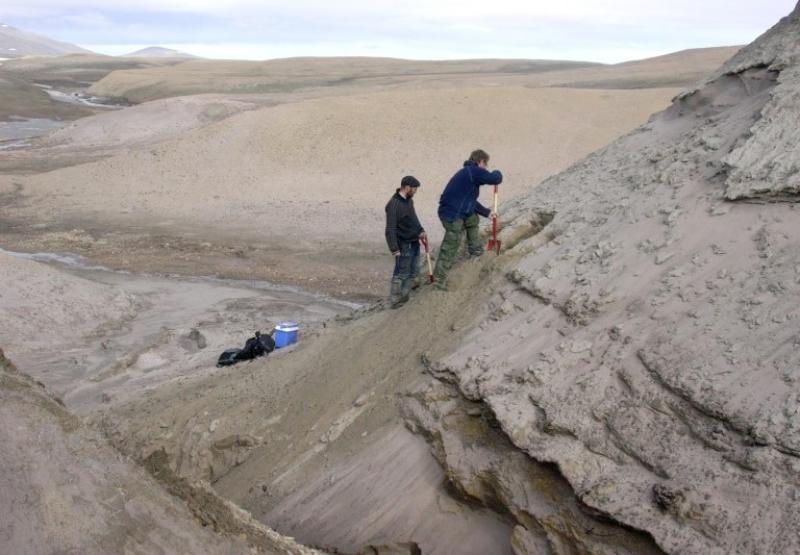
<point x="494" y="244"/>
<point x="424" y="242"/>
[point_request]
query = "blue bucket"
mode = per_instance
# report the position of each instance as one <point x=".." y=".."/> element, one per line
<point x="285" y="334"/>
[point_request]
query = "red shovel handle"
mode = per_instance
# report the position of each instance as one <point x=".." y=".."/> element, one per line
<point x="494" y="244"/>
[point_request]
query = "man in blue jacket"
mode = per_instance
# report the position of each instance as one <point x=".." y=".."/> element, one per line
<point x="459" y="210"/>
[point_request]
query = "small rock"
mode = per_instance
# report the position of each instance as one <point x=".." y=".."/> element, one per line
<point x="665" y="498"/>
<point x="506" y="308"/>
<point x="361" y="400"/>
<point x="581" y="347"/>
<point x="213" y="426"/>
<point x="663" y="257"/>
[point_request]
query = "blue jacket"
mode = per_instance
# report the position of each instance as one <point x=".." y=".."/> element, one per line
<point x="460" y="198"/>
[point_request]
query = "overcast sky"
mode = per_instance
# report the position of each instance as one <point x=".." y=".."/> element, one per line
<point x="604" y="31"/>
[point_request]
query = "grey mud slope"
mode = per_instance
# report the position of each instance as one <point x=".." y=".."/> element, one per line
<point x="646" y="343"/>
<point x="309" y="439"/>
<point x="68" y="491"/>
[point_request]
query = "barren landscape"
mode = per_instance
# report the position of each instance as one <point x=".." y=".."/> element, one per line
<point x="621" y="379"/>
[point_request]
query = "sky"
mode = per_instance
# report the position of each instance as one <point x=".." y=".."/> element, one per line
<point x="607" y="31"/>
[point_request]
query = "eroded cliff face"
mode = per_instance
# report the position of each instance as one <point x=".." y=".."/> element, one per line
<point x="765" y="162"/>
<point x="644" y="339"/>
<point x="63" y="489"/>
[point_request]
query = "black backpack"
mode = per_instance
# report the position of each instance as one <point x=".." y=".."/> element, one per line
<point x="256" y="346"/>
<point x="228" y="358"/>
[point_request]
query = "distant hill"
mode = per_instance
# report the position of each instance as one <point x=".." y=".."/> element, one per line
<point x="289" y="75"/>
<point x="159" y="52"/>
<point x="15" y="43"/>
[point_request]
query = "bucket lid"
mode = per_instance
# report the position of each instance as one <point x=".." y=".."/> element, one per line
<point x="287" y="326"/>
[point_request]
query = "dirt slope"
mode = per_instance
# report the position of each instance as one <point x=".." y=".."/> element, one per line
<point x="65" y="490"/>
<point x="41" y="307"/>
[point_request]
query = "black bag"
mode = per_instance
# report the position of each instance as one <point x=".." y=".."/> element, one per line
<point x="256" y="346"/>
<point x="228" y="358"/>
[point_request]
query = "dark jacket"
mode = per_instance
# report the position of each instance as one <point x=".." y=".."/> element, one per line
<point x="460" y="198"/>
<point x="402" y="223"/>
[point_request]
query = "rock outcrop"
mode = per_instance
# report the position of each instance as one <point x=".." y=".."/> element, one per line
<point x="644" y="343"/>
<point x="766" y="161"/>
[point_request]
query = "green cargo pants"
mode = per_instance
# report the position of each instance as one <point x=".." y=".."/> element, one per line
<point x="451" y="243"/>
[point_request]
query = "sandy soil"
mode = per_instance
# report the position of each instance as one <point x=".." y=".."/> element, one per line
<point x="272" y="436"/>
<point x="395" y="491"/>
<point x="41" y="306"/>
<point x="65" y="490"/>
<point x="113" y="132"/>
<point x="295" y="189"/>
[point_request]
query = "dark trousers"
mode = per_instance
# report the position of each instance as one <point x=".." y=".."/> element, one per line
<point x="453" y="231"/>
<point x="406" y="268"/>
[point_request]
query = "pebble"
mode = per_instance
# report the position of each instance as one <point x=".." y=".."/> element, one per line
<point x="581" y="346"/>
<point x="663" y="257"/>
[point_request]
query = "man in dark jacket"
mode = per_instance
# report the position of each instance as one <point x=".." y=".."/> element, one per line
<point x="459" y="210"/>
<point x="403" y="232"/>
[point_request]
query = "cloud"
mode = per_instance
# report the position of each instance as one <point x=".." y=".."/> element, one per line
<point x="497" y="28"/>
<point x="720" y="12"/>
<point x="86" y="19"/>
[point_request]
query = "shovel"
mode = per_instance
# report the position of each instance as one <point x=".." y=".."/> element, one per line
<point x="424" y="241"/>
<point x="494" y="243"/>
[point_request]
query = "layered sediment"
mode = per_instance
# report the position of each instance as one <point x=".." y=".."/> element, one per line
<point x="644" y="344"/>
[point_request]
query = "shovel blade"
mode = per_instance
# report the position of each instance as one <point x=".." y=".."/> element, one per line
<point x="493" y="245"/>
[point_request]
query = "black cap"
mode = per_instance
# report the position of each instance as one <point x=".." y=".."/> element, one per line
<point x="409" y="181"/>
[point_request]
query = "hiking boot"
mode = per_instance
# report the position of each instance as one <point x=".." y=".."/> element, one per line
<point x="399" y="302"/>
